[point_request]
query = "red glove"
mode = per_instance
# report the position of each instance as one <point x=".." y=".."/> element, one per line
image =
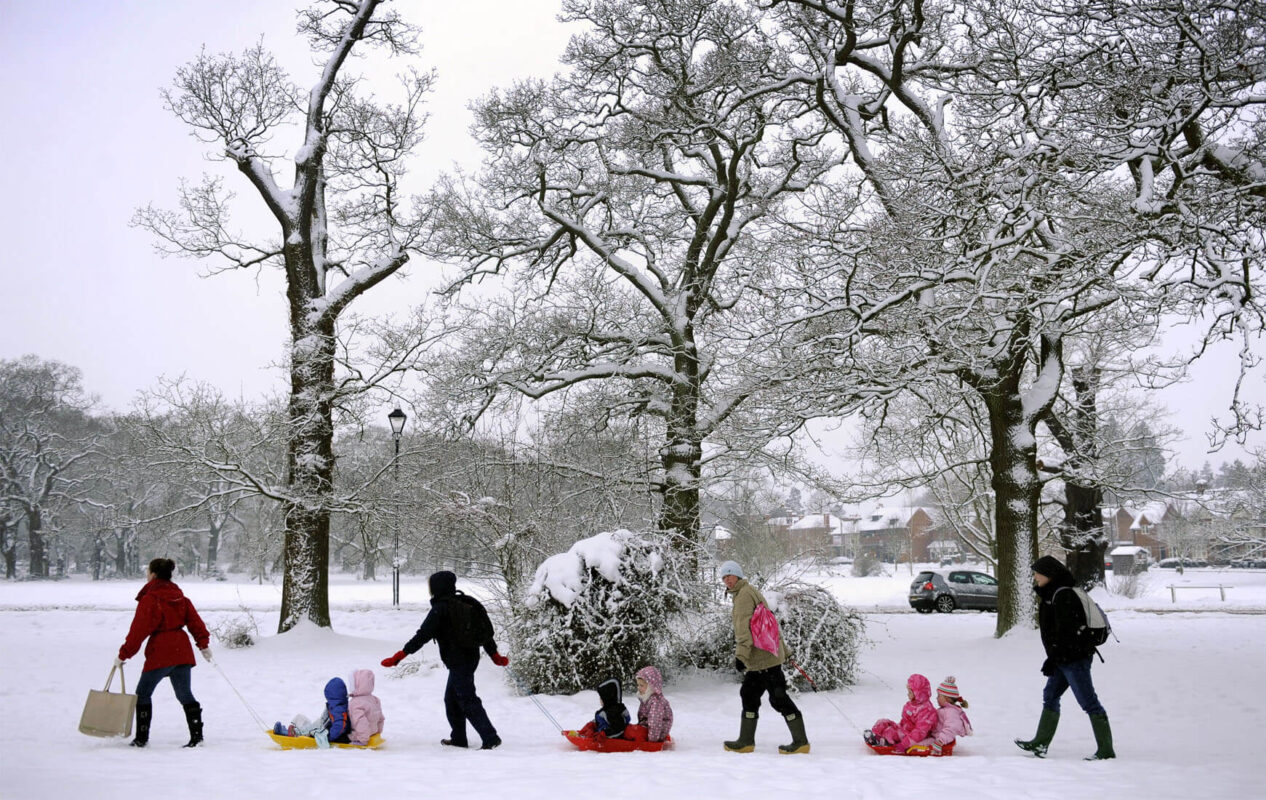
<point x="391" y="661"/>
<point x="500" y="660"/>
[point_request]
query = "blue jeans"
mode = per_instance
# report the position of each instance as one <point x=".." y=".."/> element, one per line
<point x="179" y="683"/>
<point x="1074" y="675"/>
<point x="461" y="704"/>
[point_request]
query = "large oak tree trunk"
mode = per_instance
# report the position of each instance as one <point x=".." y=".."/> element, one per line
<point x="1082" y="535"/>
<point x="38" y="567"/>
<point x="1013" y="458"/>
<point x="682" y="455"/>
<point x="310" y="465"/>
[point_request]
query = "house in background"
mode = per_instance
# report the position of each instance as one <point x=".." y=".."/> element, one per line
<point x="896" y="533"/>
<point x="887" y="533"/>
<point x="719" y="541"/>
<point x="1208" y="524"/>
<point x="817" y="533"/>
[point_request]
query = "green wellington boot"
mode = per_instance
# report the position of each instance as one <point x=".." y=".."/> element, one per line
<point x="1045" y="732"/>
<point x="746" y="742"/>
<point x="1103" y="738"/>
<point x="799" y="742"/>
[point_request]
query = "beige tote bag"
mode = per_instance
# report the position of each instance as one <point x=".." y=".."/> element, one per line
<point x="108" y="713"/>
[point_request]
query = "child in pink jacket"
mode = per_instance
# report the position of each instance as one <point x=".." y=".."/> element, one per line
<point x="917" y="719"/>
<point x="951" y="720"/>
<point x="654" y="714"/>
<point x="363" y="708"/>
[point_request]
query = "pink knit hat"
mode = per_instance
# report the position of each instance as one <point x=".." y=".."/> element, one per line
<point x="949" y="688"/>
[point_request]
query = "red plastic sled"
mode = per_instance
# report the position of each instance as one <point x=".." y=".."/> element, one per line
<point x="918" y="750"/>
<point x="605" y="745"/>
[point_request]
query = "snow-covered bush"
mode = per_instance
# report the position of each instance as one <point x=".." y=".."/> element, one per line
<point x="236" y="632"/>
<point x="866" y="565"/>
<point x="1131" y="586"/>
<point x="824" y="636"/>
<point x="707" y="639"/>
<point x="600" y="610"/>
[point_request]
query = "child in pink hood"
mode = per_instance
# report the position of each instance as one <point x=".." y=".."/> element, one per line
<point x="654" y="714"/>
<point x="364" y="709"/>
<point x="918" y="717"/>
<point x="951" y="720"/>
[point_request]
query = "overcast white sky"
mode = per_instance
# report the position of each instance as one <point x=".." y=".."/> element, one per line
<point x="88" y="142"/>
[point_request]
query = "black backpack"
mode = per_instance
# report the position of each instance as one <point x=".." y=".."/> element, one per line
<point x="469" y="620"/>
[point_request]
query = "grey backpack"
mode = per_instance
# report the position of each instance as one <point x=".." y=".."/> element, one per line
<point x="1095" y="628"/>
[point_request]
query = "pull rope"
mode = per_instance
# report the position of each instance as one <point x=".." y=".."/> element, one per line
<point x="519" y="684"/>
<point x="254" y="715"/>
<point x="839" y="710"/>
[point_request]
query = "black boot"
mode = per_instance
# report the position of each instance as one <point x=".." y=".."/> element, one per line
<point x="144" y="715"/>
<point x="193" y="715"/>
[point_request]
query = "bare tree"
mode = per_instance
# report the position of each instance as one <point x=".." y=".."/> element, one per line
<point x="46" y="436"/>
<point x="635" y="200"/>
<point x="994" y="226"/>
<point x="343" y="229"/>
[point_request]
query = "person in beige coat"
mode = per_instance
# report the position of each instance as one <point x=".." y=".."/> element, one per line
<point x="762" y="670"/>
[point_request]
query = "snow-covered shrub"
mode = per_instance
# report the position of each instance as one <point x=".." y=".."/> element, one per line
<point x="706" y="640"/>
<point x="236" y="632"/>
<point x="866" y="565"/>
<point x="600" y="610"/>
<point x="825" y="636"/>
<point x="1131" y="586"/>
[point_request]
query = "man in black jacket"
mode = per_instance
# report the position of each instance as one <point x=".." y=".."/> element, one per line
<point x="461" y="704"/>
<point x="1069" y="656"/>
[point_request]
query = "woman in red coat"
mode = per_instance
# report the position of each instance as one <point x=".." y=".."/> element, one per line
<point x="162" y="614"/>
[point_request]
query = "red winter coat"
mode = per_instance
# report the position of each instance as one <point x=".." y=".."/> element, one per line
<point x="162" y="613"/>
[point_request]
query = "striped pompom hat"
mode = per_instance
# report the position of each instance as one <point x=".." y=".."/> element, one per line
<point x="949" y="688"/>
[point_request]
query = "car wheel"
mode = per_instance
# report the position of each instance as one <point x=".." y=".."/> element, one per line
<point x="944" y="604"/>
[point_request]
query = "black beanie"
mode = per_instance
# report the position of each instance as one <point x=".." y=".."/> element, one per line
<point x="1053" y="568"/>
<point x="443" y="583"/>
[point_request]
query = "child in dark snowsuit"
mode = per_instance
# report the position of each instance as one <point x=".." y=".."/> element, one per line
<point x="613" y="717"/>
<point x="333" y="725"/>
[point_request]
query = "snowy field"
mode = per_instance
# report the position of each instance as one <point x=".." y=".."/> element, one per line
<point x="1182" y="687"/>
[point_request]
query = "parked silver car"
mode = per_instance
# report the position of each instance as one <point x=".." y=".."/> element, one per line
<point x="946" y="590"/>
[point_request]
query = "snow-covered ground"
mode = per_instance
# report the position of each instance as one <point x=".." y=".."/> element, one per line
<point x="1182" y="687"/>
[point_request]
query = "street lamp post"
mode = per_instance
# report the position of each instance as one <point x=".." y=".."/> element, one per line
<point x="397" y="419"/>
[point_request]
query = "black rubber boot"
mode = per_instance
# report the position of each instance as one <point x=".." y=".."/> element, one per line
<point x="1045" y="732"/>
<point x="1103" y="738"/>
<point x="193" y="715"/>
<point x="144" y="715"/>
<point x="799" y="742"/>
<point x="746" y="741"/>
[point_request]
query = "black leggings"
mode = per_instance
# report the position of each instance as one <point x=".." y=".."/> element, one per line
<point x="767" y="680"/>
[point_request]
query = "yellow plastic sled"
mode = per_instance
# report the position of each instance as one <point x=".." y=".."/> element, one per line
<point x="308" y="743"/>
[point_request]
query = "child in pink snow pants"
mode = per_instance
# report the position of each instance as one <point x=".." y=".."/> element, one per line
<point x="918" y="717"/>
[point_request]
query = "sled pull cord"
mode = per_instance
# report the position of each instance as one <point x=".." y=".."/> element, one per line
<point x="827" y="696"/>
<point x="258" y="720"/>
<point x="534" y="699"/>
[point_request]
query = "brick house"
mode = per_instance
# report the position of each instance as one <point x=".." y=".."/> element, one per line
<point x="888" y="533"/>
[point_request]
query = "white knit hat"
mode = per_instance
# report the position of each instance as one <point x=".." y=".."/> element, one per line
<point x="732" y="568"/>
